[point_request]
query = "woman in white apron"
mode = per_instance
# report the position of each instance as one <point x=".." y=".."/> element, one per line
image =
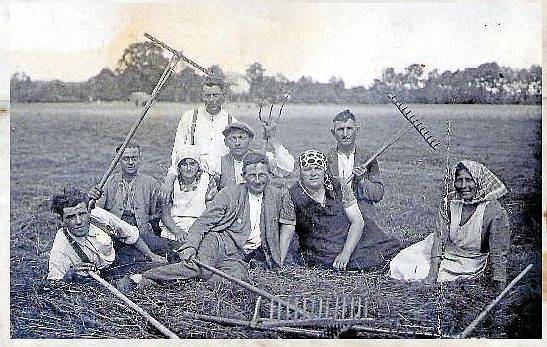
<point x="192" y="188"/>
<point x="479" y="233"/>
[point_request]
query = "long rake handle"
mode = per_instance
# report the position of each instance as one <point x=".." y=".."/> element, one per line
<point x="383" y="148"/>
<point x="162" y="328"/>
<point x="487" y="310"/>
<point x="251" y="288"/>
<point x="116" y="159"/>
<point x="133" y="129"/>
<point x="177" y="53"/>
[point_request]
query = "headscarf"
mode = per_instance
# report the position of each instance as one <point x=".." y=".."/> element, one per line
<point x="489" y="186"/>
<point x="188" y="152"/>
<point x="313" y="157"/>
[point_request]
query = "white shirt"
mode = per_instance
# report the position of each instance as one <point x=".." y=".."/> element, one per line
<point x="190" y="204"/>
<point x="281" y="159"/>
<point x="207" y="137"/>
<point x="97" y="245"/>
<point x="345" y="165"/>
<point x="238" y="170"/>
<point x="255" y="208"/>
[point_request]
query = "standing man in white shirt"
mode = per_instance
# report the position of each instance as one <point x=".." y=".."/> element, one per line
<point x="345" y="160"/>
<point x="203" y="128"/>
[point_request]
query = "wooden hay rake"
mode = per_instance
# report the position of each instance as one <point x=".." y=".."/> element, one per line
<point x="327" y="316"/>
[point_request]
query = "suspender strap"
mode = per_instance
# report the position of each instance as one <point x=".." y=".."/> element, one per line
<point x="104" y="227"/>
<point x="83" y="257"/>
<point x="193" y="127"/>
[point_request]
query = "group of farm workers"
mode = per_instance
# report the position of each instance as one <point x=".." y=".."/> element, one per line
<point x="230" y="206"/>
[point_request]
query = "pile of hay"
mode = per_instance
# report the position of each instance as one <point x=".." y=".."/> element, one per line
<point x="41" y="309"/>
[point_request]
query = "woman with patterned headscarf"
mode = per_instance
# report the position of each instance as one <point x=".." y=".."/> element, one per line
<point x="191" y="189"/>
<point x="479" y="233"/>
<point x="330" y="227"/>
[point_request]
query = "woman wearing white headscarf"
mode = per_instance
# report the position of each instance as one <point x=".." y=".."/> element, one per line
<point x="479" y="233"/>
<point x="191" y="189"/>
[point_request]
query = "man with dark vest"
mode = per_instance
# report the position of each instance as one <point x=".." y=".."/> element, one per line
<point x="243" y="222"/>
<point x="238" y="137"/>
<point x="345" y="160"/>
<point x="203" y="128"/>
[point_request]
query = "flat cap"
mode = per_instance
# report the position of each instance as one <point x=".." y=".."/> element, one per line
<point x="238" y="126"/>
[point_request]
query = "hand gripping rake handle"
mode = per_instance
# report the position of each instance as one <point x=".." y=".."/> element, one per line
<point x="176" y="53"/>
<point x="251" y="288"/>
<point x="164" y="330"/>
<point x="413" y="119"/>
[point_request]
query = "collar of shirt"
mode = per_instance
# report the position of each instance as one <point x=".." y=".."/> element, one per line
<point x="210" y="117"/>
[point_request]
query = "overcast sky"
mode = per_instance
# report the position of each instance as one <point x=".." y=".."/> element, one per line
<point x="73" y="42"/>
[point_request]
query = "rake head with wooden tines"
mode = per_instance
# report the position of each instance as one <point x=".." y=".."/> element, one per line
<point x="413" y="119"/>
<point x="332" y="316"/>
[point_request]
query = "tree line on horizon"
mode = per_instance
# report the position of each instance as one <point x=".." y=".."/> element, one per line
<point x="142" y="64"/>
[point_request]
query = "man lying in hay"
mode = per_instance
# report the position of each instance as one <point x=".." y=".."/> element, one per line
<point x="220" y="237"/>
<point x="84" y="242"/>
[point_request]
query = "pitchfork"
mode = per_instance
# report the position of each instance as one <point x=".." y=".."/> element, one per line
<point x="272" y="120"/>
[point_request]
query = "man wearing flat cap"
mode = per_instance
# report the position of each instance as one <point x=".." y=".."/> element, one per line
<point x="238" y="137"/>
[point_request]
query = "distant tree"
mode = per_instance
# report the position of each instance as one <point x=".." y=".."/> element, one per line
<point x="255" y="74"/>
<point x="20" y="87"/>
<point x="140" y="67"/>
<point x="104" y="86"/>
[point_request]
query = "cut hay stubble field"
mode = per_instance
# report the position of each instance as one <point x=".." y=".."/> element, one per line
<point x="58" y="145"/>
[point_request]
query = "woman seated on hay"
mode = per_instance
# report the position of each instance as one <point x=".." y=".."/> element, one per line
<point x="479" y="229"/>
<point x="192" y="188"/>
<point x="330" y="227"/>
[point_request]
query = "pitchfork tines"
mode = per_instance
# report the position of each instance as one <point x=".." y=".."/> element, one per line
<point x="271" y="116"/>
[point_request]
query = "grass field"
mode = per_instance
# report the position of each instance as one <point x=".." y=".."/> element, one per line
<point x="58" y="145"/>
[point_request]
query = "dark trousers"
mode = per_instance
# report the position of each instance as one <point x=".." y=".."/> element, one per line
<point x="128" y="253"/>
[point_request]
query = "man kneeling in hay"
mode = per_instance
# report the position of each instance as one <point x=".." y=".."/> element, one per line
<point x="84" y="243"/>
<point x="243" y="222"/>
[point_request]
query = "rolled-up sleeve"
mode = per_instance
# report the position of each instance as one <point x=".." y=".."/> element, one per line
<point x="282" y="160"/>
<point x="287" y="214"/>
<point x="59" y="264"/>
<point x="122" y="230"/>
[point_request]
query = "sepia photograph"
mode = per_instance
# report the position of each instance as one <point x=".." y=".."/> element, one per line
<point x="273" y="170"/>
